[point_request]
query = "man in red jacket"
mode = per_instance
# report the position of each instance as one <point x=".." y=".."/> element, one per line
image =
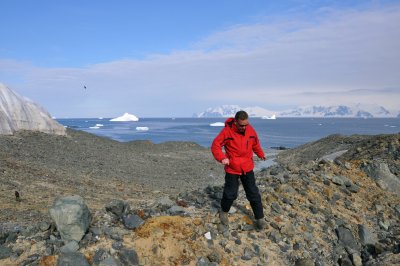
<point x="239" y="140"/>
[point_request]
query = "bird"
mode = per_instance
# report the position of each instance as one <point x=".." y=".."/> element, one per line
<point x="17" y="197"/>
<point x="84" y="87"/>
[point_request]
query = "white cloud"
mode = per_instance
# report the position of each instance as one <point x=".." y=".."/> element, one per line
<point x="288" y="61"/>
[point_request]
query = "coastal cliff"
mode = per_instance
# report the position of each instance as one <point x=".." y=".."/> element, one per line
<point x="18" y="113"/>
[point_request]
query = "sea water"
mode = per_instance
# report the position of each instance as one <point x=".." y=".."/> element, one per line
<point x="281" y="132"/>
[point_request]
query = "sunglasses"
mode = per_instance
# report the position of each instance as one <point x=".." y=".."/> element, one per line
<point x="242" y="126"/>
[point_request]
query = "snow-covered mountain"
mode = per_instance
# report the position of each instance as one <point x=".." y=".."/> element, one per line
<point x="361" y="111"/>
<point x="230" y="111"/>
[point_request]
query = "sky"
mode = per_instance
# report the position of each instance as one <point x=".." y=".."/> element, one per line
<point x="179" y="57"/>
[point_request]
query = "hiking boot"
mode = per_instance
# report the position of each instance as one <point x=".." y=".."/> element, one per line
<point x="260" y="224"/>
<point x="223" y="216"/>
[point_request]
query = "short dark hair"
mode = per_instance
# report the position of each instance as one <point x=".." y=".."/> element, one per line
<point x="241" y="115"/>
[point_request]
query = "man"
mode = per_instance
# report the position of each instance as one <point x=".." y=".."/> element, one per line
<point x="240" y="140"/>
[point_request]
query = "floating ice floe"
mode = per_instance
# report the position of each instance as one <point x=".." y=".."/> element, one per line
<point x="125" y="118"/>
<point x="142" y="128"/>
<point x="95" y="127"/>
<point x="99" y="125"/>
<point x="217" y="124"/>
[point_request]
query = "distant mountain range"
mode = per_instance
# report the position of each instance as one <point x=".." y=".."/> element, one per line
<point x="357" y="111"/>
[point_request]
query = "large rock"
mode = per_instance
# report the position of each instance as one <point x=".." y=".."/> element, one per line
<point x="71" y="216"/>
<point x="19" y="113"/>
<point x="382" y="175"/>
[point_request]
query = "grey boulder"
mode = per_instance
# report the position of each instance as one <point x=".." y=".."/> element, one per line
<point x="71" y="216"/>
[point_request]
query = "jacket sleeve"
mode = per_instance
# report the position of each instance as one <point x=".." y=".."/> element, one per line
<point x="216" y="147"/>
<point x="257" y="148"/>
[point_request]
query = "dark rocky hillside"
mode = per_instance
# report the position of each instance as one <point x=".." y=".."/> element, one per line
<point x="331" y="202"/>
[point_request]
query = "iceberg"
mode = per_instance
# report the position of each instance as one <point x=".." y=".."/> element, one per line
<point x="142" y="128"/>
<point x="96" y="127"/>
<point x="99" y="125"/>
<point x="125" y="118"/>
<point x="217" y="124"/>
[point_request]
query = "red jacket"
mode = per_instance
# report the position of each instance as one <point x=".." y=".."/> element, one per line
<point x="238" y="147"/>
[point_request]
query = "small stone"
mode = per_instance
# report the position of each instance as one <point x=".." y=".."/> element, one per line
<point x="397" y="209"/>
<point x="232" y="210"/>
<point x="132" y="221"/>
<point x="346" y="237"/>
<point x="99" y="256"/>
<point x="356" y="259"/>
<point x="117" y="245"/>
<point x="176" y="210"/>
<point x="337" y="180"/>
<point x="275" y="236"/>
<point x="366" y="236"/>
<point x="354" y="188"/>
<point x="128" y="257"/>
<point x="296" y="246"/>
<point x="202" y="261"/>
<point x="304" y="262"/>
<point x="71" y="246"/>
<point x="248" y="254"/>
<point x="384" y="225"/>
<point x="5" y="252"/>
<point x="44" y="226"/>
<point x="72" y="258"/>
<point x="110" y="261"/>
<point x="288" y="230"/>
<point x="284" y="248"/>
<point x="276" y="207"/>
<point x="313" y="209"/>
<point x="214" y="257"/>
<point x="345" y="261"/>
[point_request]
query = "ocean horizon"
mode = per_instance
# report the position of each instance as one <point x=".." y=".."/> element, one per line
<point x="281" y="132"/>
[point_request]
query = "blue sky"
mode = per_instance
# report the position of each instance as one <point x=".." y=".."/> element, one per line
<point x="175" y="58"/>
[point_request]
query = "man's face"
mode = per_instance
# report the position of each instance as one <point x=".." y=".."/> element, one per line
<point x="241" y="124"/>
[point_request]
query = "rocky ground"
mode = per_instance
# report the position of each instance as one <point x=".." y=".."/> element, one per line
<point x="331" y="202"/>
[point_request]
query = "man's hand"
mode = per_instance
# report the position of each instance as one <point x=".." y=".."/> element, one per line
<point x="225" y="161"/>
<point x="262" y="158"/>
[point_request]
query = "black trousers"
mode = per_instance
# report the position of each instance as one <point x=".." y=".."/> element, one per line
<point x="231" y="189"/>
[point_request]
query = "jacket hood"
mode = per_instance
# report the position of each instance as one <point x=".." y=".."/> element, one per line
<point x="229" y="122"/>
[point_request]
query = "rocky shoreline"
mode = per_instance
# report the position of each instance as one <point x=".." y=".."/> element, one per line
<point x="331" y="202"/>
